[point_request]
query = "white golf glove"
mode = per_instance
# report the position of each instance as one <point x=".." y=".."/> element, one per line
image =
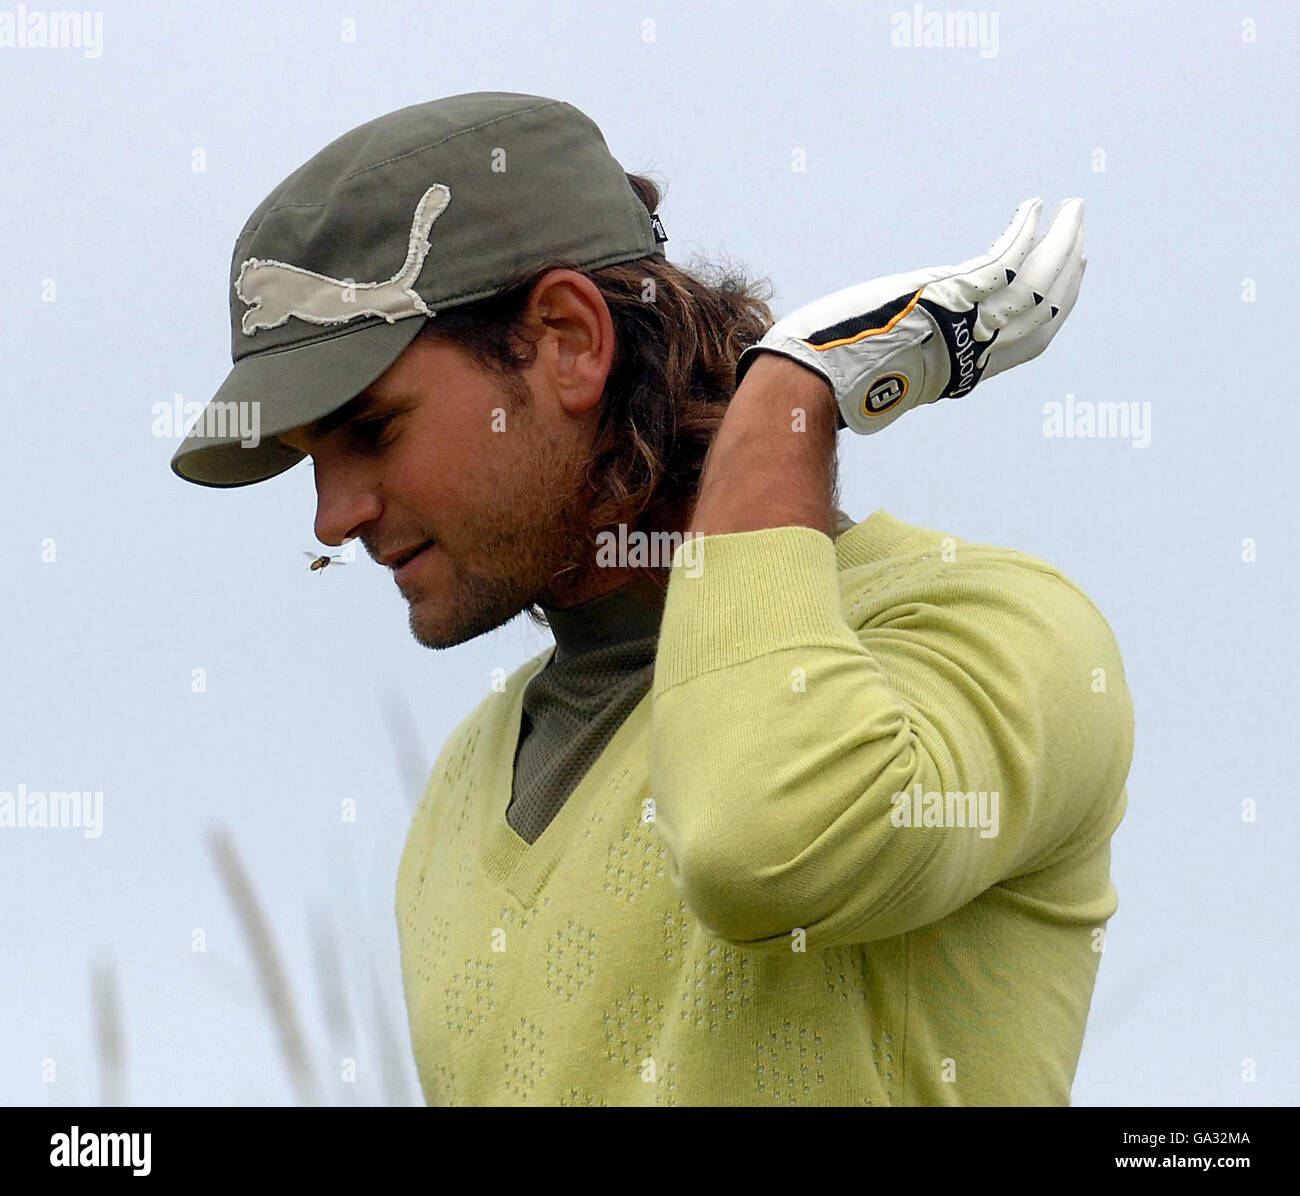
<point x="898" y="342"/>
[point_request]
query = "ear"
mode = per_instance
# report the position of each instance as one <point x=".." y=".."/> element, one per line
<point x="575" y="338"/>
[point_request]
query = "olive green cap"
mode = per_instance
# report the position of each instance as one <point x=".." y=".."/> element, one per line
<point x="426" y="208"/>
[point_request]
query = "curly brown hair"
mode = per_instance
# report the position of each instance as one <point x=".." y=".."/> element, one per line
<point x="677" y="335"/>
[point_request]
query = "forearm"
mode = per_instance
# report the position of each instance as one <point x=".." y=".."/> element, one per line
<point x="772" y="463"/>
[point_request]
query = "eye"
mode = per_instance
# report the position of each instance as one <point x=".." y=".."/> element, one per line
<point x="370" y="435"/>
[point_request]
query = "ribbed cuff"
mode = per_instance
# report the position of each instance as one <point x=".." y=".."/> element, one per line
<point x="740" y="595"/>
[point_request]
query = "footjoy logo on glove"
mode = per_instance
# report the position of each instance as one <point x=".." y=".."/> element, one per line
<point x="883" y="394"/>
<point x="957" y="328"/>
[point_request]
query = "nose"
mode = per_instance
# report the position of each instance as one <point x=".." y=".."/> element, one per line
<point x="346" y="500"/>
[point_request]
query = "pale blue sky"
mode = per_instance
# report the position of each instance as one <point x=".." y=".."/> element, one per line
<point x="915" y="156"/>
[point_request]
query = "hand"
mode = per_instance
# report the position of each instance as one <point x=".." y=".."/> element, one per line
<point x="906" y="340"/>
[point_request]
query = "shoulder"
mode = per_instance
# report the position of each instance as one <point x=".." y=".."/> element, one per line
<point x="893" y="566"/>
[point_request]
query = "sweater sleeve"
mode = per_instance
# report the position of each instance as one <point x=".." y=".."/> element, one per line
<point x="791" y="756"/>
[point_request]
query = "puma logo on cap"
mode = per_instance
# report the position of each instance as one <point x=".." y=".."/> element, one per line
<point x="274" y="291"/>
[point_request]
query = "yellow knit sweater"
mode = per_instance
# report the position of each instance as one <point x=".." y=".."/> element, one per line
<point x="851" y="849"/>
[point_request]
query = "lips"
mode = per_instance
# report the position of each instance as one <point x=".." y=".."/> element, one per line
<point x="403" y="564"/>
<point x="419" y="548"/>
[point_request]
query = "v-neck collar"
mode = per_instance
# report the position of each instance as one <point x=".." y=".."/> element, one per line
<point x="510" y="860"/>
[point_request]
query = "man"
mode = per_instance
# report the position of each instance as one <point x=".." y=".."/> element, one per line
<point x="803" y="812"/>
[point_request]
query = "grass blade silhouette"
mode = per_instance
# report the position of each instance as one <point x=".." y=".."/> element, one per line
<point x="274" y="985"/>
<point x="108" y="1033"/>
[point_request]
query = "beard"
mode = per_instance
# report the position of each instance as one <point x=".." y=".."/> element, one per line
<point x="529" y="542"/>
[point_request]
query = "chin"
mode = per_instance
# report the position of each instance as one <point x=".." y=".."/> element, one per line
<point x="436" y="642"/>
<point x="431" y="631"/>
<point x="436" y="633"/>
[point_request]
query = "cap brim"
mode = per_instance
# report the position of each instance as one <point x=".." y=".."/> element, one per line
<point x="280" y="390"/>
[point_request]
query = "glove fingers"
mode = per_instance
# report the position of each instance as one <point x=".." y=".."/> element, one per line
<point x="999" y="309"/>
<point x="1057" y="297"/>
<point x="975" y="280"/>
<point x="1058" y="251"/>
<point x="1012" y="247"/>
<point x="1008" y="251"/>
<point x="1027" y="303"/>
<point x="1016" y="345"/>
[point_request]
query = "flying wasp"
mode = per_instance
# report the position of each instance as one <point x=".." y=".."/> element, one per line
<point x="321" y="562"/>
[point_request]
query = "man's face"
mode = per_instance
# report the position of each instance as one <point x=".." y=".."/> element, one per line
<point x="440" y="452"/>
